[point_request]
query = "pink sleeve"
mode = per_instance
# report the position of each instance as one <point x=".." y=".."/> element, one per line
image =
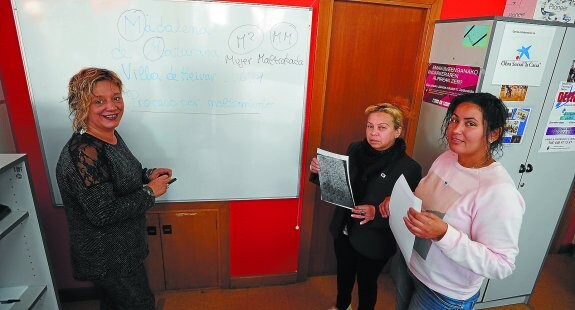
<point x="491" y="249"/>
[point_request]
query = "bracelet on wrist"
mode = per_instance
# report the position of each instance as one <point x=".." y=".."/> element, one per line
<point x="148" y="190"/>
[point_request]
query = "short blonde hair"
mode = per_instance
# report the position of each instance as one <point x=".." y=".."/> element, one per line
<point x="390" y="109"/>
<point x="80" y="93"/>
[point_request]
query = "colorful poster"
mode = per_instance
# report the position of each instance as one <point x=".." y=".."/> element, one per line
<point x="513" y="92"/>
<point x="562" y="11"/>
<point x="523" y="54"/>
<point x="560" y="132"/>
<point x="444" y="82"/>
<point x="571" y="75"/>
<point x="515" y="125"/>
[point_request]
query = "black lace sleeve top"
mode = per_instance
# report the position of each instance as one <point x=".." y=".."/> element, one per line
<point x="101" y="188"/>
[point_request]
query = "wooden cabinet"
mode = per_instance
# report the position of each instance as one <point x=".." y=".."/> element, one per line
<point x="188" y="246"/>
<point x="25" y="276"/>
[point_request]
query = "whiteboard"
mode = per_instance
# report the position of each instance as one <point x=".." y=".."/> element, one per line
<point x="215" y="91"/>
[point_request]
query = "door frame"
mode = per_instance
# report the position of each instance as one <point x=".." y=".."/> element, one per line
<point x="326" y="9"/>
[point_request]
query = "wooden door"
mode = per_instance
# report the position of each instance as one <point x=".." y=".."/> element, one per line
<point x="377" y="52"/>
<point x="191" y="246"/>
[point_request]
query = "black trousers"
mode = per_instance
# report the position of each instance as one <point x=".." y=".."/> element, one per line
<point x="351" y="264"/>
<point x="126" y="293"/>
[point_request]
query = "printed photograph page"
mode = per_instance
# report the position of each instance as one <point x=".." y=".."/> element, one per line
<point x="334" y="179"/>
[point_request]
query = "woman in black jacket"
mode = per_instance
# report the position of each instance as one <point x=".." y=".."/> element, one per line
<point x="364" y="243"/>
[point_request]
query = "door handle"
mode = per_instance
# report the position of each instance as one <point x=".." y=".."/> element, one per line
<point x="151" y="230"/>
<point x="529" y="168"/>
<point x="167" y="229"/>
<point x="522" y="168"/>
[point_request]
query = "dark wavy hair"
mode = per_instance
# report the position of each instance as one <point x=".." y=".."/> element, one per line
<point x="494" y="117"/>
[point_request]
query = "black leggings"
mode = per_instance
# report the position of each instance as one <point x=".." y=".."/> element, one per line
<point x="125" y="293"/>
<point x="351" y="264"/>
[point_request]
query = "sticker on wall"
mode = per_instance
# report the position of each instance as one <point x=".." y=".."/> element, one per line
<point x="560" y="132"/>
<point x="571" y="75"/>
<point x="523" y="54"/>
<point x="562" y="11"/>
<point x="513" y="92"/>
<point x="444" y="82"/>
<point x="476" y="35"/>
<point x="519" y="8"/>
<point x="515" y="125"/>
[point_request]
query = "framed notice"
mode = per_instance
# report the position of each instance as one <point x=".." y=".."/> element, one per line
<point x="523" y="54"/>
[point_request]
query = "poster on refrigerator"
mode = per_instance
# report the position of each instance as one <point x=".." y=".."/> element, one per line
<point x="560" y="131"/>
<point x="513" y="92"/>
<point x="515" y="125"/>
<point x="520" y="8"/>
<point x="562" y="11"/>
<point x="571" y="75"/>
<point x="523" y="54"/>
<point x="476" y="36"/>
<point x="444" y="82"/>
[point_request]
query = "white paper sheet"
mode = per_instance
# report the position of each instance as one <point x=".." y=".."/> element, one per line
<point x="402" y="198"/>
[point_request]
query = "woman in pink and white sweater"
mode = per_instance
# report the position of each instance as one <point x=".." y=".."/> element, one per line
<point x="471" y="215"/>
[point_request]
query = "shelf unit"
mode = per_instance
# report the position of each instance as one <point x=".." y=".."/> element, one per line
<point x="26" y="280"/>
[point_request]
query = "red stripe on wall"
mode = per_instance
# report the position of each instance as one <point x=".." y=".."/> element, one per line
<point x="463" y="9"/>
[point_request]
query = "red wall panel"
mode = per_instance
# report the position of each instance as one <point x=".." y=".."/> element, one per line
<point x="264" y="238"/>
<point x="462" y="9"/>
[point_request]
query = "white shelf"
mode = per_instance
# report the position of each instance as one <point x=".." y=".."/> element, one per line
<point x="26" y="281"/>
<point x="10" y="221"/>
<point x="26" y="296"/>
<point x="7" y="159"/>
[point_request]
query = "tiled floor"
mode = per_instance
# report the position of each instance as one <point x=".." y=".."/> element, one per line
<point x="555" y="289"/>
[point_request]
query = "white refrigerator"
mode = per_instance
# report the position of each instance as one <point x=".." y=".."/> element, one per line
<point x="528" y="64"/>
